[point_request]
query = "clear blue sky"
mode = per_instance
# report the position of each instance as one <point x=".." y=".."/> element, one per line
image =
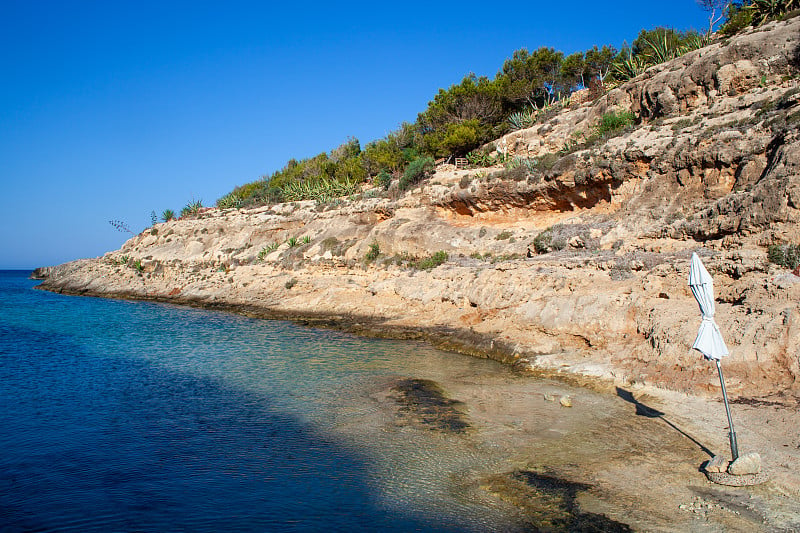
<point x="112" y="109"/>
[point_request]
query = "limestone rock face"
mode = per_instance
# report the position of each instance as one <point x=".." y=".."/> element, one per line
<point x="712" y="165"/>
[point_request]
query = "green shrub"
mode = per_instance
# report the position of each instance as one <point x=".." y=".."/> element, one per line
<point x="383" y="180"/>
<point x="168" y="215"/>
<point x="785" y="255"/>
<point x="292" y="242"/>
<point x="461" y="138"/>
<point x="504" y="235"/>
<point x="415" y="172"/>
<point x="542" y="163"/>
<point x="374" y="252"/>
<point x="330" y="243"/>
<point x="481" y="158"/>
<point x="737" y="19"/>
<point x="542" y="242"/>
<point x="138" y="266"/>
<point x="432" y="262"/>
<point x="384" y="155"/>
<point x="613" y="122"/>
<point x="291" y="283"/>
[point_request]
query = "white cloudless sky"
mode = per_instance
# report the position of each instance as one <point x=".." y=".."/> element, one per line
<point x="111" y="110"/>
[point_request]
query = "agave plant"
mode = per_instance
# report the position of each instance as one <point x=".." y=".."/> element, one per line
<point x="168" y="215"/>
<point x="192" y="208"/>
<point x="661" y="48"/>
<point x="522" y="119"/>
<point x="230" y="201"/>
<point x="322" y="190"/>
<point x="693" y="42"/>
<point x="266" y="250"/>
<point x="764" y="10"/>
<point x="628" y="66"/>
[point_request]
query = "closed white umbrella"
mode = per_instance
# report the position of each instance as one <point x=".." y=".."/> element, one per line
<point x="709" y="340"/>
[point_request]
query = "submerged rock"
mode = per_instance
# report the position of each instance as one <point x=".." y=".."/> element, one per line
<point x="424" y="403"/>
<point x="550" y="503"/>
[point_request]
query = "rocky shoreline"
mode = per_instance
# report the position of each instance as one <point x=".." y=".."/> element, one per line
<point x="712" y="166"/>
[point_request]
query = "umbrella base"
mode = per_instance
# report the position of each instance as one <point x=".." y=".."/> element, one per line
<point x="724" y="478"/>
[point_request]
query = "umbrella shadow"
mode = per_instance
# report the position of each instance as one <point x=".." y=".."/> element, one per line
<point x="649" y="412"/>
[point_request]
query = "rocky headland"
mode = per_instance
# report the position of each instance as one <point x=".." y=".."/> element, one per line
<point x="711" y="166"/>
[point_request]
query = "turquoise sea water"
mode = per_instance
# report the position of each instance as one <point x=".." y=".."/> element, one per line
<point x="136" y="416"/>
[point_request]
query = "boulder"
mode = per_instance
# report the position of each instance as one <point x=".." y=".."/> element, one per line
<point x="717" y="464"/>
<point x="749" y="463"/>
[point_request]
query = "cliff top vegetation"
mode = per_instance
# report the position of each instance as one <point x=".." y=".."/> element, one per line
<point x="528" y="87"/>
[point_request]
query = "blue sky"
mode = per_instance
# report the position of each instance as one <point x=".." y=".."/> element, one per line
<point x="110" y="110"/>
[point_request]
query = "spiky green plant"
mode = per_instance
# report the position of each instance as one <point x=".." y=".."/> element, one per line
<point x="322" y="190"/>
<point x="764" y="10"/>
<point x="306" y="239"/>
<point x="522" y="119"/>
<point x="693" y="42"/>
<point x="192" y="208"/>
<point x="168" y="215"/>
<point x="660" y="48"/>
<point x="627" y="66"/>
<point x="292" y="242"/>
<point x="268" y="249"/>
<point x="230" y="201"/>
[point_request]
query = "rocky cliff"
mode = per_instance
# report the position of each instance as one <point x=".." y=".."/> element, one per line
<point x="712" y="165"/>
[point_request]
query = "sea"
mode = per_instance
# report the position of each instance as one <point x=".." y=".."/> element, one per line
<point x="137" y="416"/>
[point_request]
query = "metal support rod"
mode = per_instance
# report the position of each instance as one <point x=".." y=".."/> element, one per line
<point x="732" y="433"/>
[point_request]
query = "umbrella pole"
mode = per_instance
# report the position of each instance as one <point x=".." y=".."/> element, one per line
<point x="732" y="434"/>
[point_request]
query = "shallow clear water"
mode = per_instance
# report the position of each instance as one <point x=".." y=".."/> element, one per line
<point x="119" y="416"/>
